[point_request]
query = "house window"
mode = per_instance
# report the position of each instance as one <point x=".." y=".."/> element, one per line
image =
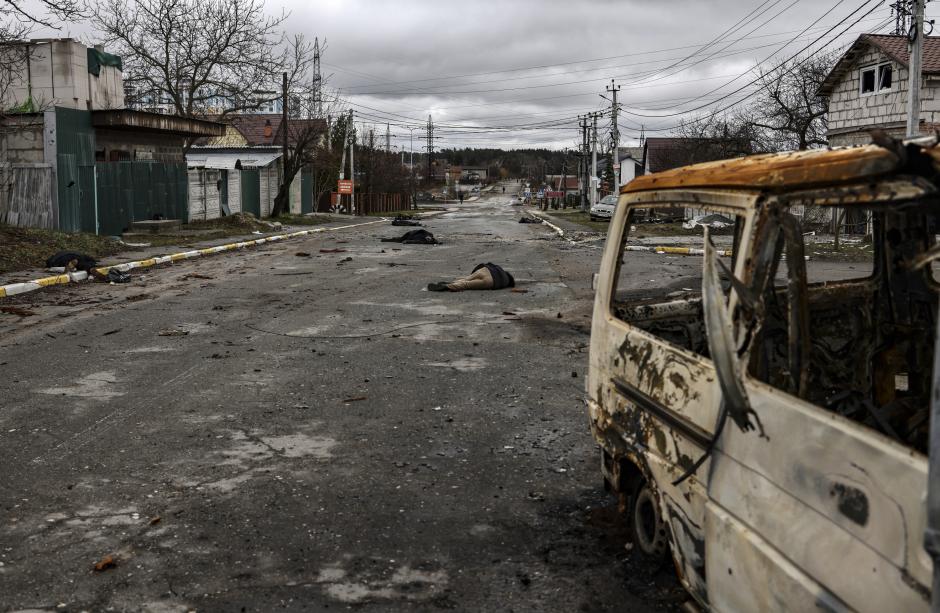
<point x="876" y="79"/>
<point x="885" y="75"/>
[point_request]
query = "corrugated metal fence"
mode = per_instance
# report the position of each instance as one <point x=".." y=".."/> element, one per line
<point x="26" y="195"/>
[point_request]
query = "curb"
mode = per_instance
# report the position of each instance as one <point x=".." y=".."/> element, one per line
<point x="658" y="249"/>
<point x="560" y="232"/>
<point x="29" y="286"/>
<point x="676" y="250"/>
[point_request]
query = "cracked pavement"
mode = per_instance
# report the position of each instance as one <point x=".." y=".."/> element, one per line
<point x="315" y="432"/>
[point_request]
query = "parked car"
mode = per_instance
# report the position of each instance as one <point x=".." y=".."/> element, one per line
<point x="425" y="197"/>
<point x="770" y="432"/>
<point x="604" y="209"/>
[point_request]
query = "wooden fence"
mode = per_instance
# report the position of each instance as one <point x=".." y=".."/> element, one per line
<point x="26" y="195"/>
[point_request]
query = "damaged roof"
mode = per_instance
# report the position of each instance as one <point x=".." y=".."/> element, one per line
<point x="775" y="171"/>
<point x="892" y="46"/>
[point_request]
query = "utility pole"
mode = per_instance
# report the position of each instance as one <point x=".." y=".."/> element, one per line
<point x="317" y="81"/>
<point x="352" y="162"/>
<point x="430" y="147"/>
<point x="615" y="135"/>
<point x="388" y="138"/>
<point x="284" y="127"/>
<point x="583" y="166"/>
<point x="916" y="45"/>
<point x="329" y="134"/>
<point x="594" y="161"/>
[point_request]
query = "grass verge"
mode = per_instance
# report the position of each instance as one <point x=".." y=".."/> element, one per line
<point x="579" y="217"/>
<point x="24" y="248"/>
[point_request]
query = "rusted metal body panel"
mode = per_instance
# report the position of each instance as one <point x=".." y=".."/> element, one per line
<point x="797" y="499"/>
<point x="775" y="171"/>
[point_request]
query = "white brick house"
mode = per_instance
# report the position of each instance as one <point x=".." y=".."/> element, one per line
<point x="867" y="89"/>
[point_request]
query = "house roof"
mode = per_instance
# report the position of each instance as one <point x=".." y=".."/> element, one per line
<point x="632" y="152"/>
<point x="571" y="180"/>
<point x="775" y="171"/>
<point x="265" y="128"/>
<point x="894" y="47"/>
<point x="230" y="160"/>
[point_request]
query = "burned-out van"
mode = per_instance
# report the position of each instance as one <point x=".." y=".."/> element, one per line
<point x="764" y="413"/>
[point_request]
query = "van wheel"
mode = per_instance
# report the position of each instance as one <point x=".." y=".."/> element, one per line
<point x="647" y="527"/>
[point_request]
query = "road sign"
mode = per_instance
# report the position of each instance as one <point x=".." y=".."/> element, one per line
<point x="344" y="186"/>
<point x="541" y="193"/>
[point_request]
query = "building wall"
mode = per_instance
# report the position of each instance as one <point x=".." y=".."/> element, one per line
<point x="269" y="183"/>
<point x="21" y="139"/>
<point x="235" y="191"/>
<point x="56" y="74"/>
<point x="850" y="111"/>
<point x="204" y="194"/>
<point x="131" y="145"/>
<point x="295" y="195"/>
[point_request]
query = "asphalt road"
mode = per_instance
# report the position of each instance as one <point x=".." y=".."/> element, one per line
<point x="273" y="431"/>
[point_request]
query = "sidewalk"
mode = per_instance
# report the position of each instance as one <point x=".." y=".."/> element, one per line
<point x="145" y="253"/>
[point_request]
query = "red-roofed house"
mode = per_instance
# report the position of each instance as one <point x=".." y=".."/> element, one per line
<point x="867" y="89"/>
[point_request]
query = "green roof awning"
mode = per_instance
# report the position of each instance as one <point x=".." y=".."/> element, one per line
<point x="97" y="59"/>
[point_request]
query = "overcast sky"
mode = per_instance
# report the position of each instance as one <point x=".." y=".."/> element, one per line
<point x="495" y="66"/>
<point x="491" y="64"/>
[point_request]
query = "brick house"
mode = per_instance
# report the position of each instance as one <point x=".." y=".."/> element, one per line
<point x="867" y="89"/>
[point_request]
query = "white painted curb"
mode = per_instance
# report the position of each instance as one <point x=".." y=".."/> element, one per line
<point x="30" y="286"/>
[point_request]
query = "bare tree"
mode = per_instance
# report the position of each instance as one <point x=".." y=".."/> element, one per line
<point x="788" y="109"/>
<point x="201" y="57"/>
<point x="305" y="130"/>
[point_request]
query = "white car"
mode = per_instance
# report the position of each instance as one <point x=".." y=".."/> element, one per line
<point x="605" y="208"/>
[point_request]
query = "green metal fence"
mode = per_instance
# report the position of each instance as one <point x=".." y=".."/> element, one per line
<point x="75" y="160"/>
<point x="137" y="191"/>
<point x="251" y="192"/>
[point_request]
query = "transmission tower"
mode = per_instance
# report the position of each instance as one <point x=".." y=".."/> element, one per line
<point x="430" y="146"/>
<point x="317" y="80"/>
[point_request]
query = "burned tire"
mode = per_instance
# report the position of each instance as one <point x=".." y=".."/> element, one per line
<point x="647" y="527"/>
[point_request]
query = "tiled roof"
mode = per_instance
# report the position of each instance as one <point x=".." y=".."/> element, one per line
<point x="895" y="47"/>
<point x="265" y="128"/>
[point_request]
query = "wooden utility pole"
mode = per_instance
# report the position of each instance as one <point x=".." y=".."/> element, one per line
<point x="916" y="45"/>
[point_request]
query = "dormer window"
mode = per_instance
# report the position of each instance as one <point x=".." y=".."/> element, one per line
<point x="876" y="79"/>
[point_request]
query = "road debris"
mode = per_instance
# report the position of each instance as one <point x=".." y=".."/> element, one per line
<point x="302" y="254"/>
<point x="356" y="399"/>
<point x="405" y="220"/>
<point x="105" y="563"/>
<point x="17" y="311"/>
<point x="332" y="251"/>
<point x="173" y="332"/>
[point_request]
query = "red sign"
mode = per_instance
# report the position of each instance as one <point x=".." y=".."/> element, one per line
<point x="344" y="186"/>
<point x="549" y="194"/>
